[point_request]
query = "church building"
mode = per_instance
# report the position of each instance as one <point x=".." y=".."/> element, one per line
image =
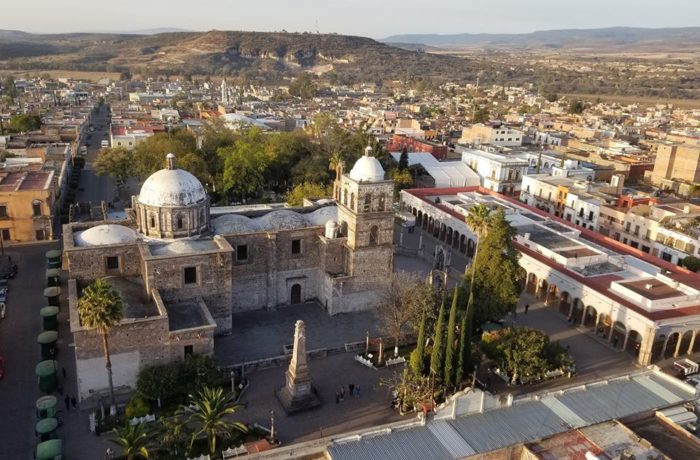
<point x="183" y="268"/>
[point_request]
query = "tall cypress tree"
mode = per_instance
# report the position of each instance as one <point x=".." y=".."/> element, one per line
<point x="449" y="374"/>
<point x="417" y="363"/>
<point x="465" y="340"/>
<point x="403" y="159"/>
<point x="437" y="356"/>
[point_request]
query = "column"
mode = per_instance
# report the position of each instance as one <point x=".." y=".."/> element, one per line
<point x="597" y="321"/>
<point x="583" y="316"/>
<point x="624" y="342"/>
<point x="571" y="310"/>
<point x="646" y="346"/>
<point x="692" y="343"/>
<point x="678" y="346"/>
<point x="612" y="329"/>
<point x="663" y="349"/>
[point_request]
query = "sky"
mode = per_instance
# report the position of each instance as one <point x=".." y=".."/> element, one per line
<point x="372" y="18"/>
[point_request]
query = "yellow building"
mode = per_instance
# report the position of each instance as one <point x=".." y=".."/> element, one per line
<point x="26" y="205"/>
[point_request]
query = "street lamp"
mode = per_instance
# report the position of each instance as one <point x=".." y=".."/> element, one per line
<point x="233" y="383"/>
<point x="272" y="426"/>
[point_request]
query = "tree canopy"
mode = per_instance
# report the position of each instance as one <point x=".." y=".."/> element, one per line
<point x="24" y="122"/>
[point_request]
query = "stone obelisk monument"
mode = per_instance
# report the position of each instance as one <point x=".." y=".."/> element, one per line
<point x="298" y="394"/>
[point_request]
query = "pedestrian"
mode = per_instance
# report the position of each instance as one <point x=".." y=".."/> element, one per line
<point x="67" y="401"/>
<point x="352" y="389"/>
<point x="109" y="454"/>
<point x="337" y="397"/>
<point x="527" y="307"/>
<point x="73" y="402"/>
<point x="342" y="393"/>
<point x="63" y="371"/>
<point x="357" y="391"/>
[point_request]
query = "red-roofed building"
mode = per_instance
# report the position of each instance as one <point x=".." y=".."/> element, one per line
<point x="638" y="302"/>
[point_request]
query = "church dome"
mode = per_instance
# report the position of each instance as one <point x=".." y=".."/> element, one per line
<point x="171" y="187"/>
<point x="367" y="169"/>
<point x="282" y="219"/>
<point x="234" y="223"/>
<point x="101" y="235"/>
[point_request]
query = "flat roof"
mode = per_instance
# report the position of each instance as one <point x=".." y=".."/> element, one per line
<point x="185" y="315"/>
<point x="652" y="289"/>
<point x="135" y="301"/>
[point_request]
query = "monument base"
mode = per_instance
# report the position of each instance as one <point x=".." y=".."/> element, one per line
<point x="295" y="403"/>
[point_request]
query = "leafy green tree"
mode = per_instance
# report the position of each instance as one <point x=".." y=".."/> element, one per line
<point x="149" y="154"/>
<point x="481" y="115"/>
<point x="403" y="159"/>
<point x="303" y="87"/>
<point x="692" y="263"/>
<point x="207" y="412"/>
<point x="465" y="342"/>
<point x="451" y="345"/>
<point x="22" y="123"/>
<point x="100" y="308"/>
<point x="576" y="107"/>
<point x="117" y="162"/>
<point x="133" y="439"/>
<point x="158" y="382"/>
<point x="9" y="88"/>
<point x="437" y="356"/>
<point x="244" y="165"/>
<point x="528" y="354"/>
<point x="173" y="437"/>
<point x="402" y="179"/>
<point x="551" y="97"/>
<point x="307" y="190"/>
<point x="417" y="361"/>
<point x="496" y="271"/>
<point x="215" y="135"/>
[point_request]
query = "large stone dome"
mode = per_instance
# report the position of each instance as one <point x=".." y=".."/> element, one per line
<point x="367" y="169"/>
<point x="105" y="234"/>
<point x="172" y="187"/>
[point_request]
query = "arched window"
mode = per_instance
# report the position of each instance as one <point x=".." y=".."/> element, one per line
<point x="382" y="203"/>
<point x="352" y="201"/>
<point x="368" y="203"/>
<point x="152" y="222"/>
<point x="345" y="197"/>
<point x="179" y="221"/>
<point x="374" y="235"/>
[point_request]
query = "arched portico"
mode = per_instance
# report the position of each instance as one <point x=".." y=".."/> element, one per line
<point x="531" y="285"/>
<point x="618" y="334"/>
<point x="633" y="342"/>
<point x="542" y="290"/>
<point x="564" y="303"/>
<point x="552" y="295"/>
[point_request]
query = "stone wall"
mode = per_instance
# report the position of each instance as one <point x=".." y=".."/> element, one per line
<point x="89" y="263"/>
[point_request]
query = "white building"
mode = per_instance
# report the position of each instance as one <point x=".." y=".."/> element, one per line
<point x="499" y="172"/>
<point x="637" y="302"/>
<point x="495" y="134"/>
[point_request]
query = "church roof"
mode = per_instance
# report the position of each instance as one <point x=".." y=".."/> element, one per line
<point x="281" y="219"/>
<point x="234" y="223"/>
<point x="171" y="188"/>
<point x="367" y="169"/>
<point x="105" y="234"/>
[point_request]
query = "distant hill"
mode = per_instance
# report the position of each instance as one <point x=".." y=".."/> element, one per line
<point x="263" y="54"/>
<point x="566" y="38"/>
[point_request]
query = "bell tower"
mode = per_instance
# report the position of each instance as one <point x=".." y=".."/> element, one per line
<point x="365" y="215"/>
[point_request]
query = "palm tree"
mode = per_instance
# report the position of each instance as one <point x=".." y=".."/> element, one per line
<point x="133" y="439"/>
<point x="206" y="411"/>
<point x="335" y="161"/>
<point x="100" y="308"/>
<point x="478" y="221"/>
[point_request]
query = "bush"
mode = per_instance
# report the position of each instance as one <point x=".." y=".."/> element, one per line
<point x="137" y="407"/>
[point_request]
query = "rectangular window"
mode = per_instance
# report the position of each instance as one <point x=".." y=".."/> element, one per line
<point x="112" y="263"/>
<point x="296" y="246"/>
<point x="40" y="235"/>
<point x="242" y="252"/>
<point x="189" y="349"/>
<point x="190" y="275"/>
<point x="6" y="234"/>
<point x="36" y="209"/>
<point x="645" y="249"/>
<point x="3" y="212"/>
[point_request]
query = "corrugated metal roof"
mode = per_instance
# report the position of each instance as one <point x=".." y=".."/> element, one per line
<point x="418" y="443"/>
<point x="528" y="419"/>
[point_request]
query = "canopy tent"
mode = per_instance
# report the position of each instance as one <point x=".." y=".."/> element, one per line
<point x="47" y="340"/>
<point x="46" y="428"/>
<point x="46" y="406"/>
<point x="49" y="318"/>
<point x="49" y="450"/>
<point x="46" y="371"/>
<point x="53" y="277"/>
<point x="51" y="294"/>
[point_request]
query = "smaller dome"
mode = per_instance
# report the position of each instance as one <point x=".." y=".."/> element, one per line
<point x="367" y="169"/>
<point x="105" y="234"/>
<point x="323" y="215"/>
<point x="282" y="219"/>
<point x="234" y="223"/>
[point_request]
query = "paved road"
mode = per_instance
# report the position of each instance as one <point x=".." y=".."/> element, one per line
<point x="94" y="188"/>
<point x="18" y="332"/>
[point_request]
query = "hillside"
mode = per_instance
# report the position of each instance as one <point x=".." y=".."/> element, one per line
<point x="628" y="37"/>
<point x="224" y="53"/>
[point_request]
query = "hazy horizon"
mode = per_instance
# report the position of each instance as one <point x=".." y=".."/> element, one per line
<point x="352" y="17"/>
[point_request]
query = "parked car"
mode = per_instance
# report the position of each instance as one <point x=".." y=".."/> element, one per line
<point x="686" y="367"/>
<point x="3" y="310"/>
<point x="692" y="427"/>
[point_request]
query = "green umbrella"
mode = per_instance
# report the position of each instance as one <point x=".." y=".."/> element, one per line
<point x="46" y="371"/>
<point x="49" y="317"/>
<point x="47" y="340"/>
<point x="45" y="428"/>
<point x="53" y="254"/>
<point x="46" y="406"/>
<point x="49" y="450"/>
<point x="53" y="276"/>
<point x="53" y="258"/>
<point x="52" y="293"/>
